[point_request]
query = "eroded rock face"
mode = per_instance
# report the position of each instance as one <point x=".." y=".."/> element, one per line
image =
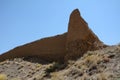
<point x="71" y="45"/>
<point x="80" y="38"/>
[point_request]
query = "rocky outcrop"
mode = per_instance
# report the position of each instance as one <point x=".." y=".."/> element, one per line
<point x="71" y="45"/>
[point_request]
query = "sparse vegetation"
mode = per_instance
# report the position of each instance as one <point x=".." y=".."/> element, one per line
<point x="16" y="79"/>
<point x="102" y="76"/>
<point x="93" y="65"/>
<point x="53" y="67"/>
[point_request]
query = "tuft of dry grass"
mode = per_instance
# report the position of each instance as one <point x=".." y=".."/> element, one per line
<point x="102" y="76"/>
<point x="3" y="77"/>
<point x="56" y="76"/>
<point x="93" y="59"/>
<point x="16" y="79"/>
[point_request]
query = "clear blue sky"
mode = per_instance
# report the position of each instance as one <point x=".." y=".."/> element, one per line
<point x="24" y="21"/>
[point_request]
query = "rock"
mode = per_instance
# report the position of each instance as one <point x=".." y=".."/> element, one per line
<point x="80" y="38"/>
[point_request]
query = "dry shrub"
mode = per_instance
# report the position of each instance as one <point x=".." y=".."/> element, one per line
<point x="103" y="76"/>
<point x="93" y="59"/>
<point x="16" y="79"/>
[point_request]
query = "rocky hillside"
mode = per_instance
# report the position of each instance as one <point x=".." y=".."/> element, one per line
<point x="101" y="64"/>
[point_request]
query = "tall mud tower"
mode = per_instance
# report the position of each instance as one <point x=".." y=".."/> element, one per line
<point x="80" y="38"/>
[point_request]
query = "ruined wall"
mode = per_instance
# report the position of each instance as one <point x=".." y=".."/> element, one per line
<point x="78" y="40"/>
<point x="51" y="49"/>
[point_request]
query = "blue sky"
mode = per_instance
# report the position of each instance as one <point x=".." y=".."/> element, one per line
<point x="24" y="21"/>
